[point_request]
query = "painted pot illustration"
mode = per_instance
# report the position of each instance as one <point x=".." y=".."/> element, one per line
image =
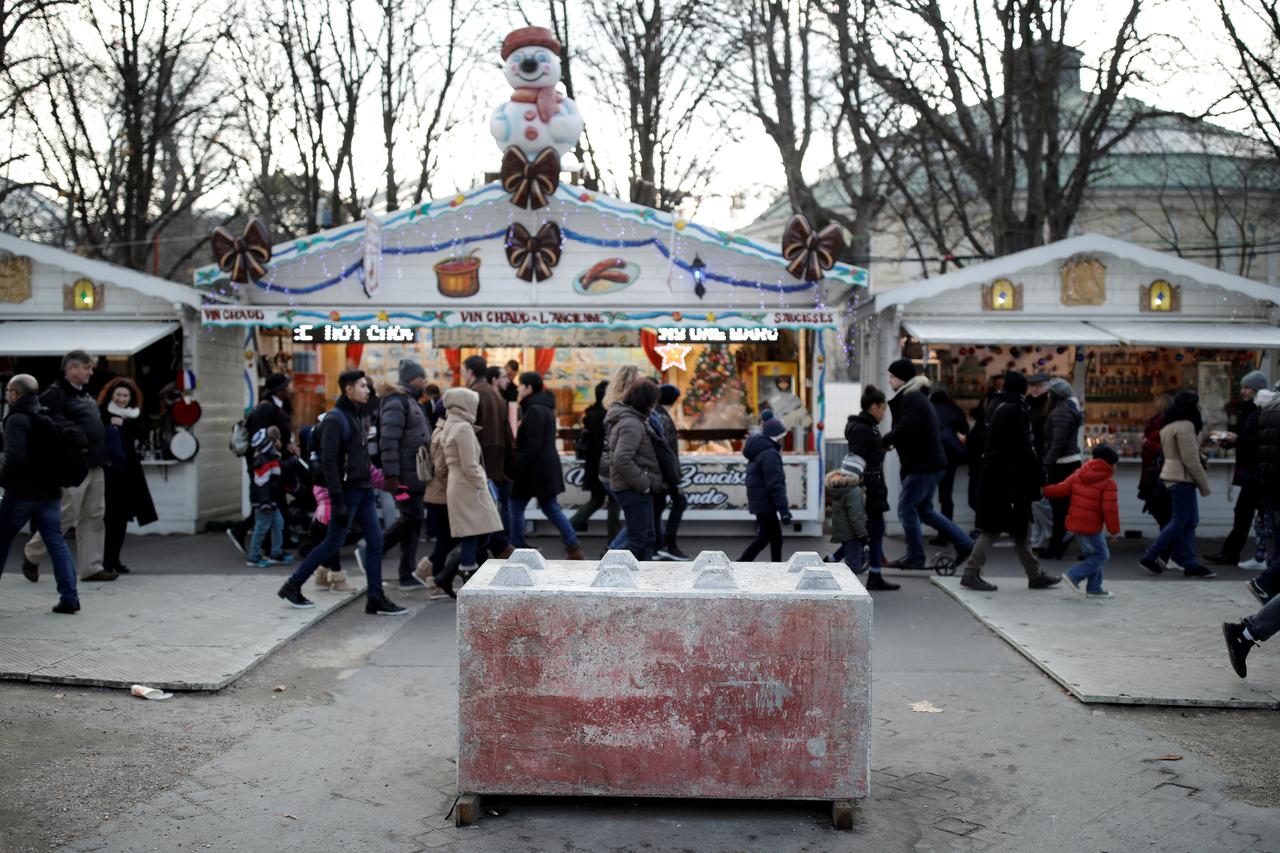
<point x="459" y="276"/>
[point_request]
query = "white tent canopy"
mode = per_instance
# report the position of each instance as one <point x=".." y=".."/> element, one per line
<point x="1008" y="332"/>
<point x="45" y="337"/>
<point x="1175" y="334"/>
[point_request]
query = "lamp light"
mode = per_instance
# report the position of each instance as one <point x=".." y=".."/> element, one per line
<point x="699" y="276"/>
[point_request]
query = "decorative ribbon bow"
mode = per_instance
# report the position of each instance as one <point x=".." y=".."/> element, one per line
<point x="534" y="254"/>
<point x="808" y="254"/>
<point x="245" y="258"/>
<point x="531" y="184"/>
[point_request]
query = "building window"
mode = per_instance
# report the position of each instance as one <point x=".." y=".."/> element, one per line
<point x="1002" y="295"/>
<point x="83" y="295"/>
<point x="1161" y="296"/>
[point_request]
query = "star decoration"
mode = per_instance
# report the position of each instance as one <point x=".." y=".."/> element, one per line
<point x="673" y="355"/>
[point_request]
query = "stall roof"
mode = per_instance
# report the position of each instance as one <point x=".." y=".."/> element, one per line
<point x="97" y="337"/>
<point x="1011" y="265"/>
<point x="1008" y="332"/>
<point x="1176" y="334"/>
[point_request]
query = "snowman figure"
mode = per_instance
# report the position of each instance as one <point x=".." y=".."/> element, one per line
<point x="537" y="116"/>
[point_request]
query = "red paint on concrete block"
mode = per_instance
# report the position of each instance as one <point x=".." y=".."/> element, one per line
<point x="761" y="692"/>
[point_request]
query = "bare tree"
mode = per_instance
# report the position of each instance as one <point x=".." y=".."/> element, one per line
<point x="397" y="51"/>
<point x="127" y="124"/>
<point x="1009" y="141"/>
<point x="660" y="63"/>
<point x="436" y="87"/>
<point x="1255" y="36"/>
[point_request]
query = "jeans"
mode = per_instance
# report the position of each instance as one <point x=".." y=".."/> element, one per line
<point x="551" y="509"/>
<point x="637" y="508"/>
<point x="1179" y="535"/>
<point x="915" y="505"/>
<point x="1245" y="512"/>
<point x="946" y="488"/>
<point x="875" y="531"/>
<point x="468" y="548"/>
<point x="1058" y="539"/>
<point x="1269" y="580"/>
<point x="46" y="514"/>
<point x="1095" y="553"/>
<point x="266" y="518"/>
<point x="84" y="508"/>
<point x="1041" y="523"/>
<point x="1264" y="624"/>
<point x="438" y="524"/>
<point x="406" y="532"/>
<point x="362" y="509"/>
<point x="599" y="498"/>
<point x="499" y="541"/>
<point x="854" y="555"/>
<point x="768" y="532"/>
<point x="667" y="533"/>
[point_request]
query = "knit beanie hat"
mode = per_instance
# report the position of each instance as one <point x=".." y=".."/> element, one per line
<point x="1255" y="379"/>
<point x="1106" y="453"/>
<point x="668" y="394"/>
<point x="853" y="465"/>
<point x="1015" y="382"/>
<point x="1060" y="387"/>
<point x="904" y="369"/>
<point x="276" y="382"/>
<point x="771" y="426"/>
<point x="260" y="441"/>
<point x="409" y="371"/>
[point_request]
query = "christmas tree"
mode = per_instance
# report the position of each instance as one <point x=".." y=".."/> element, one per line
<point x="717" y="394"/>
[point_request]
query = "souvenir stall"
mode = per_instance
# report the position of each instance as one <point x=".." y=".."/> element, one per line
<point x="147" y="329"/>
<point x="1120" y="322"/>
<point x="573" y="284"/>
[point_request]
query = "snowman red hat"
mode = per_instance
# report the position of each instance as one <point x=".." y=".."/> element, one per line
<point x="529" y="37"/>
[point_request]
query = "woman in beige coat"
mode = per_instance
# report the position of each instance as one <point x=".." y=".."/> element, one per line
<point x="472" y="512"/>
<point x="1183" y="474"/>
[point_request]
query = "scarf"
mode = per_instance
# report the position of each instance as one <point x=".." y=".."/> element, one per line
<point x="546" y="97"/>
<point x="127" y="414"/>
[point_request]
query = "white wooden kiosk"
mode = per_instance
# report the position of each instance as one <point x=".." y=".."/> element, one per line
<point x="1120" y="321"/>
<point x="441" y="269"/>
<point x="121" y="312"/>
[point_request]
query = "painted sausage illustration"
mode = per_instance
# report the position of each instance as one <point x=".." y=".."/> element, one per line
<point x="606" y="270"/>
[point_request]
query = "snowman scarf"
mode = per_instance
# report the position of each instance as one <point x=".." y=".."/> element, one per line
<point x="546" y="97"/>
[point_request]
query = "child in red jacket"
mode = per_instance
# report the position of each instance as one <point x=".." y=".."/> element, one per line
<point x="1092" y="490"/>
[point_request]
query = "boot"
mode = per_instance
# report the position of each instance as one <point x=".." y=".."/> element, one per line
<point x="877" y="583"/>
<point x="574" y="552"/>
<point x="506" y="552"/>
<point x="338" y="582"/>
<point x="322" y="577"/>
<point x="976" y="582"/>
<point x="1043" y="581"/>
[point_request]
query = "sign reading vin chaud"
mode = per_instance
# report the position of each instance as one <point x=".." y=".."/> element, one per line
<point x="711" y="483"/>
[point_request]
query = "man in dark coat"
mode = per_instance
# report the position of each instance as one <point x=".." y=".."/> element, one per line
<point x="83" y="507"/>
<point x="403" y="430"/>
<point x="954" y="431"/>
<point x="1245" y="442"/>
<point x="344" y="461"/>
<point x="1267" y="585"/>
<point x="274" y="409"/>
<point x="30" y="496"/>
<point x="668" y="547"/>
<point x="917" y="438"/>
<point x="1012" y="477"/>
<point x="536" y="471"/>
<point x="592" y="448"/>
<point x="495" y="446"/>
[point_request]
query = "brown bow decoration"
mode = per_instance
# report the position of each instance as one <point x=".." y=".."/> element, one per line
<point x="533" y="255"/>
<point x="531" y="184"/>
<point x="810" y="255"/>
<point x="244" y="258"/>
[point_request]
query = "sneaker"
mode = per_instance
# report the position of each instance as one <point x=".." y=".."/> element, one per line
<point x="30" y="570"/>
<point x="260" y="563"/>
<point x="1220" y="559"/>
<point x="1251" y="565"/>
<point x="673" y="552"/>
<point x="235" y="540"/>
<point x="382" y="606"/>
<point x="412" y="582"/>
<point x="282" y="560"/>
<point x="293" y="595"/>
<point x="1151" y="566"/>
<point x="65" y="606"/>
<point x="1173" y="565"/>
<point x="877" y="583"/>
<point x="1072" y="582"/>
<point x="1237" y="646"/>
<point x="1199" y="572"/>
<point x="901" y="563"/>
<point x="121" y="569"/>
<point x="976" y="582"/>
<point x="1043" y="581"/>
<point x="1258" y="592"/>
<point x="103" y="575"/>
<point x="1102" y="593"/>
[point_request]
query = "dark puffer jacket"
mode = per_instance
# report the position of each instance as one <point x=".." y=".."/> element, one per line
<point x="62" y="398"/>
<point x="402" y="429"/>
<point x="23" y="476"/>
<point x="766" y="479"/>
<point x="630" y="460"/>
<point x="1062" y="433"/>
<point x="593" y="430"/>
<point x="863" y="434"/>
<point x="1268" y="448"/>
<point x="1246" y="444"/>
<point x="916" y="434"/>
<point x="1011" y="471"/>
<point x="344" y="457"/>
<point x="536" y="471"/>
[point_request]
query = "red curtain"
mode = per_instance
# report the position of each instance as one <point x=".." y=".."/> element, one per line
<point x="542" y="359"/>
<point x="354" y="351"/>
<point x="649" y="341"/>
<point x="453" y="356"/>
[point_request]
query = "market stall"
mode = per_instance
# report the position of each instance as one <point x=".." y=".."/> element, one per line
<point x="1121" y="322"/>
<point x="571" y="283"/>
<point x="146" y="328"/>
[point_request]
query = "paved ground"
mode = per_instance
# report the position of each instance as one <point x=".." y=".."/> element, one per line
<point x="358" y="750"/>
<point x="1123" y="649"/>
<point x="200" y="634"/>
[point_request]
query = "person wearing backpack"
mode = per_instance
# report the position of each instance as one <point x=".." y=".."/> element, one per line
<point x="347" y="476"/>
<point x="766" y="488"/>
<point x="30" y="495"/>
<point x="403" y="435"/>
<point x="274" y="409"/>
<point x="84" y="505"/>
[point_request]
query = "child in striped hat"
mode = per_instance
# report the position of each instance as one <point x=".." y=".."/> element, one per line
<point x="849" y="518"/>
